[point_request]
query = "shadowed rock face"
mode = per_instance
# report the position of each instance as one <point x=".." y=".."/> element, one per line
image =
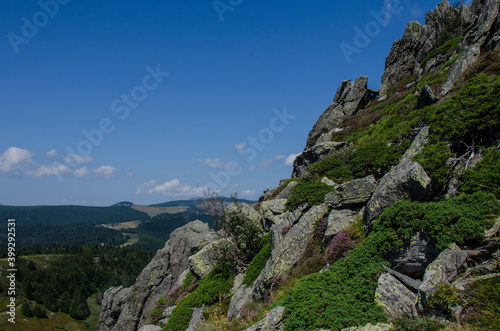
<point x="396" y="299"/>
<point x="129" y="309"/>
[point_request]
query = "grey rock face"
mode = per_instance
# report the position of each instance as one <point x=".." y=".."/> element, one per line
<point x="271" y="211"/>
<point x="465" y="60"/>
<point x="157" y="279"/>
<point x="314" y="154"/>
<point x="271" y="322"/>
<point x="241" y="297"/>
<point x="371" y="327"/>
<point x="407" y="180"/>
<point x="338" y="220"/>
<point x="413" y="258"/>
<point x="444" y="270"/>
<point x="395" y="298"/>
<point x="286" y="221"/>
<point x="417" y="145"/>
<point x="349" y="99"/>
<point x="427" y="97"/>
<point x="353" y="193"/>
<point x="288" y="251"/>
<point x="150" y="328"/>
<point x="285" y="194"/>
<point x="246" y="211"/>
<point x="201" y="263"/>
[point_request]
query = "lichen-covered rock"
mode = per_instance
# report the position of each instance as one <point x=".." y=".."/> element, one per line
<point x="465" y="60"/>
<point x="241" y="297"/>
<point x="444" y="270"/>
<point x="329" y="182"/>
<point x="483" y="270"/>
<point x="407" y="180"/>
<point x="395" y="298"/>
<point x="196" y="319"/>
<point x="338" y="220"/>
<point x="246" y="211"/>
<point x="157" y="279"/>
<point x="314" y="154"/>
<point x="284" y="224"/>
<point x="494" y="231"/>
<point x="150" y="327"/>
<point x="289" y="250"/>
<point x="285" y="193"/>
<point x="271" y="211"/>
<point x="427" y="97"/>
<point x="371" y="327"/>
<point x="417" y="144"/>
<point x="112" y="305"/>
<point x="353" y="193"/>
<point x="272" y="321"/>
<point x="201" y="263"/>
<point x="413" y="258"/>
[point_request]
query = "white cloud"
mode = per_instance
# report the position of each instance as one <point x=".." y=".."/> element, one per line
<point x="240" y="146"/>
<point x="248" y="193"/>
<point x="106" y="171"/>
<point x="289" y="160"/>
<point x="76" y="158"/>
<point x="80" y="172"/>
<point x="55" y="169"/>
<point x="14" y="158"/>
<point x="265" y="163"/>
<point x="51" y="153"/>
<point x="130" y="175"/>
<point x="280" y="157"/>
<point x="217" y="163"/>
<point x="172" y="188"/>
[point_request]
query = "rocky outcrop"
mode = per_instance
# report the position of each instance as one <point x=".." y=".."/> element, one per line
<point x="338" y="220"/>
<point x="246" y="211"/>
<point x="464" y="61"/>
<point x="353" y="193"/>
<point x="349" y="99"/>
<point x="395" y="298"/>
<point x="284" y="224"/>
<point x="444" y="270"/>
<point x="314" y="154"/>
<point x="272" y="321"/>
<point x="285" y="193"/>
<point x="417" y="145"/>
<point x="288" y="251"/>
<point x="202" y="262"/>
<point x="371" y="327"/>
<point x="157" y="279"/>
<point x="407" y="180"/>
<point x="413" y="258"/>
<point x="150" y="328"/>
<point x="271" y="211"/>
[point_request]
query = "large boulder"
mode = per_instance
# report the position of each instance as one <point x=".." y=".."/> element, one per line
<point x="157" y="279"/>
<point x="242" y="296"/>
<point x="284" y="224"/>
<point x="417" y="144"/>
<point x="395" y="298"/>
<point x="285" y="193"/>
<point x="353" y="193"/>
<point x="427" y="97"/>
<point x="201" y="263"/>
<point x="338" y="220"/>
<point x="271" y="211"/>
<point x="407" y="180"/>
<point x="289" y="250"/>
<point x="246" y="211"/>
<point x="413" y="258"/>
<point x="443" y="270"/>
<point x="371" y="327"/>
<point x="272" y="321"/>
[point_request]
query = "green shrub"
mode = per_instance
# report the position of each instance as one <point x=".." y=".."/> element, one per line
<point x="446" y="48"/>
<point x="344" y="295"/>
<point x="419" y="323"/>
<point x="472" y="115"/>
<point x="307" y="191"/>
<point x="485" y="175"/>
<point x="433" y="159"/>
<point x="485" y="304"/>
<point x="259" y="261"/>
<point x="188" y="280"/>
<point x="218" y="282"/>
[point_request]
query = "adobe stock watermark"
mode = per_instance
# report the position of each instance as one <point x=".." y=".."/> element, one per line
<point x="122" y="107"/>
<point x="223" y="6"/>
<point x="30" y="27"/>
<point x="251" y="147"/>
<point x="372" y="29"/>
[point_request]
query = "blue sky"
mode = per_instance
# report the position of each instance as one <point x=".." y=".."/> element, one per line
<point x="149" y="101"/>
